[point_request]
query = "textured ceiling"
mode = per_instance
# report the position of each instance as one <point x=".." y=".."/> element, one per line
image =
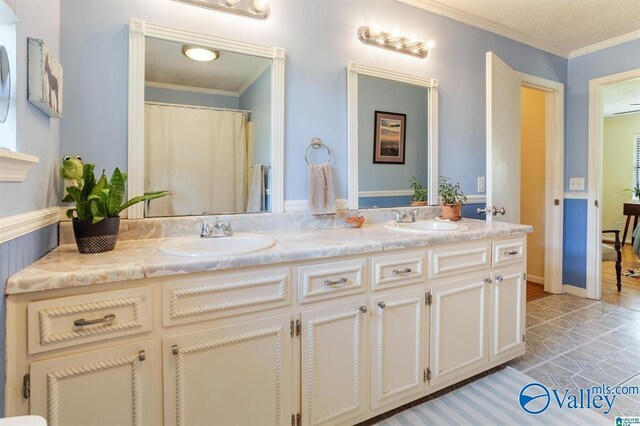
<point x="618" y="98"/>
<point x="566" y="25"/>
<point x="165" y="63"/>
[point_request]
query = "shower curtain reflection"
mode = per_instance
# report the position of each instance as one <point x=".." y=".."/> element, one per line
<point x="198" y="154"/>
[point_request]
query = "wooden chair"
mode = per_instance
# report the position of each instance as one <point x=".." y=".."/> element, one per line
<point x="614" y="254"/>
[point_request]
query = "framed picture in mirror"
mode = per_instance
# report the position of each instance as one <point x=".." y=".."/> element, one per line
<point x="389" y="139"/>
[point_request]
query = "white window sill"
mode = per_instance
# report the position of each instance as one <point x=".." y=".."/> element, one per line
<point x="15" y="165"/>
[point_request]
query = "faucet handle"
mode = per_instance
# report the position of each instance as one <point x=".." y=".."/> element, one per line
<point x="414" y="214"/>
<point x="205" y="231"/>
<point x="398" y="215"/>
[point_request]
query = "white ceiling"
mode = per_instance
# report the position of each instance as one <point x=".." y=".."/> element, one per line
<point x="618" y="98"/>
<point x="231" y="72"/>
<point x="563" y="27"/>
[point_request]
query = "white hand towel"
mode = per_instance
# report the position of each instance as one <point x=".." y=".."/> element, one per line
<point x="255" y="201"/>
<point x="321" y="193"/>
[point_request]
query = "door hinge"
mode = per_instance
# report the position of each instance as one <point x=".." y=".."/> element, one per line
<point x="524" y="276"/>
<point x="428" y="298"/>
<point x="595" y="203"/>
<point x="523" y="339"/>
<point x="26" y="386"/>
<point x="293" y="420"/>
<point x="298" y="327"/>
<point x="291" y="327"/>
<point x="298" y="419"/>
<point x="428" y="374"/>
<point x="556" y="202"/>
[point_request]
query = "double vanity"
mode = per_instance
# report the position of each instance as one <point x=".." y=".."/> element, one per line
<point x="316" y="324"/>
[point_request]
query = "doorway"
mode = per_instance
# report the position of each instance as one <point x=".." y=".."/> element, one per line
<point x="610" y="132"/>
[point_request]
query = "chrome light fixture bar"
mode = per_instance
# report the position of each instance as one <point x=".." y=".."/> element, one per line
<point x="256" y="9"/>
<point x="375" y="37"/>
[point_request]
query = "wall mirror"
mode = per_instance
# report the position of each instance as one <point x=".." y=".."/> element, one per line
<point x="393" y="136"/>
<point x="205" y="122"/>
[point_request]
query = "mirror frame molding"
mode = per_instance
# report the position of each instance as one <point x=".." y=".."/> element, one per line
<point x="138" y="30"/>
<point x="353" y="71"/>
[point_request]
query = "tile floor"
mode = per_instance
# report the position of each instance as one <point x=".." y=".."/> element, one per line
<point x="575" y="343"/>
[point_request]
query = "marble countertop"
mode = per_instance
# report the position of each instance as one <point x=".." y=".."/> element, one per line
<point x="139" y="259"/>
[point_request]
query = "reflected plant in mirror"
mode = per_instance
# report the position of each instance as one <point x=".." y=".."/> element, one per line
<point x="207" y="129"/>
<point x="420" y="193"/>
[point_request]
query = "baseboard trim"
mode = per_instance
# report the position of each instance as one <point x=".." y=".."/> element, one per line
<point x="15" y="226"/>
<point x="535" y="279"/>
<point x="574" y="291"/>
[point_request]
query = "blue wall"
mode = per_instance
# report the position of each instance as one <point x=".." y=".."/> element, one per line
<point x="574" y="264"/>
<point x="375" y="94"/>
<point x="15" y="255"/>
<point x="257" y="99"/>
<point x="316" y="78"/>
<point x="155" y="94"/>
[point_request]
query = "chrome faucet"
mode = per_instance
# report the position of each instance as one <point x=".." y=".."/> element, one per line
<point x="400" y="217"/>
<point x="219" y="229"/>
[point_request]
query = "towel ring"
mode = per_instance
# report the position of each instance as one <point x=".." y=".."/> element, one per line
<point x="316" y="143"/>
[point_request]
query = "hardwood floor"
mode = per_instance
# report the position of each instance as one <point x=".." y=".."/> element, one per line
<point x="535" y="291"/>
<point x="629" y="297"/>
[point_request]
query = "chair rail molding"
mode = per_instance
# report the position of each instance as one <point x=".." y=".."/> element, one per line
<point x="15" y="226"/>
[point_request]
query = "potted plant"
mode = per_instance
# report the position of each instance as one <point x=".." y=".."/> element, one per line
<point x="95" y="217"/>
<point x="420" y="192"/>
<point x="635" y="191"/>
<point x="452" y="199"/>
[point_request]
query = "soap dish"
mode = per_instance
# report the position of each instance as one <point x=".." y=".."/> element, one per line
<point x="355" y="221"/>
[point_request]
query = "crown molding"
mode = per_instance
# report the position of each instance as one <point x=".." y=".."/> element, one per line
<point x="634" y="35"/>
<point x="192" y="89"/>
<point x="484" y="24"/>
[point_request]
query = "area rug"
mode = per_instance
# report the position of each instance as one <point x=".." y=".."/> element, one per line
<point x="631" y="273"/>
<point x="494" y="400"/>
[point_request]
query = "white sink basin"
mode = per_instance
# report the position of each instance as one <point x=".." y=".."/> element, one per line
<point x="424" y="226"/>
<point x="200" y="247"/>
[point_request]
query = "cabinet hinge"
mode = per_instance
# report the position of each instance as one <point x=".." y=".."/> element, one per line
<point x="428" y="374"/>
<point x="293" y="416"/>
<point x="427" y="298"/>
<point x="298" y="419"/>
<point x="298" y="327"/>
<point x="26" y="386"/>
<point x="291" y="328"/>
<point x="524" y="276"/>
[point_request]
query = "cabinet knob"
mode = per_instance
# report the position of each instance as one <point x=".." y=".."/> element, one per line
<point x="363" y="309"/>
<point x="382" y="305"/>
<point x="499" y="278"/>
<point x="488" y="281"/>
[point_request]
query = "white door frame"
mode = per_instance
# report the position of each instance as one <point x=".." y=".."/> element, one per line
<point x="554" y="178"/>
<point x="594" y="214"/>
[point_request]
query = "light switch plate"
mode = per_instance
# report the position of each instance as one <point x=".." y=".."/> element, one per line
<point x="576" y="184"/>
<point x="481" y="187"/>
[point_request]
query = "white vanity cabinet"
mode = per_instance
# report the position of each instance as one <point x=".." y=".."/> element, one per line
<point x="316" y="342"/>
<point x="334" y="359"/>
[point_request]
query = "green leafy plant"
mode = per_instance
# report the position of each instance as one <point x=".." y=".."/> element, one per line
<point x="97" y="199"/>
<point x="420" y="191"/>
<point x="450" y="192"/>
<point x="635" y="190"/>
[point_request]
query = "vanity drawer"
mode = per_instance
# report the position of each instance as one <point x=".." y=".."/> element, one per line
<point x="69" y="321"/>
<point x="398" y="270"/>
<point x="328" y="280"/>
<point x="506" y="252"/>
<point x="460" y="259"/>
<point x="187" y="300"/>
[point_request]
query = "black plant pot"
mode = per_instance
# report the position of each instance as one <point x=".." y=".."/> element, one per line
<point x="96" y="237"/>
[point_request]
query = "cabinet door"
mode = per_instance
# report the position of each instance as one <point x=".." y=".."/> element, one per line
<point x="508" y="312"/>
<point x="459" y="321"/>
<point x="334" y="345"/>
<point x="105" y="387"/>
<point x="398" y="333"/>
<point x="233" y="375"/>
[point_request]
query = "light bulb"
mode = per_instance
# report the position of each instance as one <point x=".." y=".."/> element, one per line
<point x="200" y="54"/>
<point x="230" y="3"/>
<point x="259" y="6"/>
<point x="431" y="44"/>
<point x="374" y="30"/>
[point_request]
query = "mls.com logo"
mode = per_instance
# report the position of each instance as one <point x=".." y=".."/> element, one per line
<point x="534" y="398"/>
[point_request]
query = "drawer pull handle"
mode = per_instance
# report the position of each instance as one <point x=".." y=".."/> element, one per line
<point x="404" y="271"/>
<point x="336" y="282"/>
<point x="363" y="309"/>
<point x="108" y="319"/>
<point x="511" y="253"/>
<point x="382" y="305"/>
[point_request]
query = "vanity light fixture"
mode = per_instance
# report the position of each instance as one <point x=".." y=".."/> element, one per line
<point x="201" y="54"/>
<point x="256" y="9"/>
<point x="374" y="36"/>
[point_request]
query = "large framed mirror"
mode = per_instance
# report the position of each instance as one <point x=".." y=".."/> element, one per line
<point x="206" y="120"/>
<point x="393" y="136"/>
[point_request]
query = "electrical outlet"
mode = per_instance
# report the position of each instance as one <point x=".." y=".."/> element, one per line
<point x="481" y="187"/>
<point x="576" y="184"/>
